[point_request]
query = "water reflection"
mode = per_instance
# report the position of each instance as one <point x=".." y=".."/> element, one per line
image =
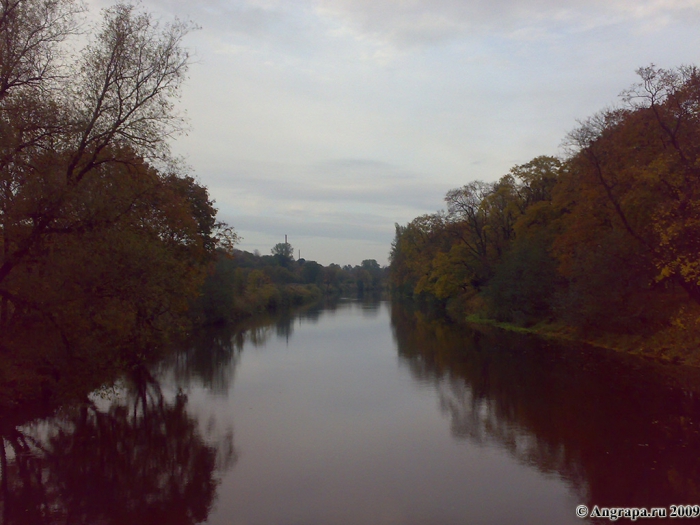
<point x="370" y="305"/>
<point x="618" y="430"/>
<point x="329" y="430"/>
<point x="143" y="460"/>
<point x="210" y="356"/>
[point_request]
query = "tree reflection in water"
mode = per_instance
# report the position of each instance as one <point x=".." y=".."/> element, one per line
<point x="210" y="356"/>
<point x="142" y="460"/>
<point x="615" y="428"/>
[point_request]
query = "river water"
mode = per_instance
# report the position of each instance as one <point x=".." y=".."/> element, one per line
<point x="364" y="413"/>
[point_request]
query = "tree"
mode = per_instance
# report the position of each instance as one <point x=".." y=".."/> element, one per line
<point x="413" y="250"/>
<point x="32" y="31"/>
<point x="641" y="164"/>
<point x="670" y="101"/>
<point x="104" y="239"/>
<point x="60" y="132"/>
<point x="331" y="275"/>
<point x="375" y="273"/>
<point x="283" y="253"/>
<point x="311" y="272"/>
<point x="537" y="180"/>
<point x="468" y="223"/>
<point x="599" y="239"/>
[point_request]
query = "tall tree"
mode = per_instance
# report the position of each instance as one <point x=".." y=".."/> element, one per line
<point x="103" y="237"/>
<point x="283" y="253"/>
<point x="641" y="164"/>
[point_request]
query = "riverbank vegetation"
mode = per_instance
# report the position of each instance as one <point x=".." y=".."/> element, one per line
<point x="240" y="283"/>
<point x="104" y="238"/>
<point x="600" y="245"/>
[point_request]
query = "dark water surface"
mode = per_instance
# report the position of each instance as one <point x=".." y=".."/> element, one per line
<point x="363" y="413"/>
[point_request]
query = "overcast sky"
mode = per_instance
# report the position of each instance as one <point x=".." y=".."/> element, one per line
<point x="330" y="120"/>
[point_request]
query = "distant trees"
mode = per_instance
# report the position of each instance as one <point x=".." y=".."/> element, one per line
<point x="598" y="238"/>
<point x="249" y="283"/>
<point x="311" y="272"/>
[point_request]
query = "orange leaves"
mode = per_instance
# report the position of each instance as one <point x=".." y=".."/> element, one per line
<point x="590" y="238"/>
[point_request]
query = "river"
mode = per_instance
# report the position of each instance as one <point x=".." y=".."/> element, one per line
<point x="363" y="413"/>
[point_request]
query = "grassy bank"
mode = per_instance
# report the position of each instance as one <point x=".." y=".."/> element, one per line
<point x="676" y="344"/>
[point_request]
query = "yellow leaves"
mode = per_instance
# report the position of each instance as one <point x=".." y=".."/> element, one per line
<point x="614" y="224"/>
<point x="454" y="255"/>
<point x="446" y="275"/>
<point x="451" y="275"/>
<point x="665" y="272"/>
<point x="537" y="218"/>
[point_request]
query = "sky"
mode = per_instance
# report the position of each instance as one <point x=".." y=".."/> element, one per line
<point x="331" y="120"/>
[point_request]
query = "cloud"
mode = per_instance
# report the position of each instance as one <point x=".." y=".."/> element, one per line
<point x="412" y="23"/>
<point x="420" y="22"/>
<point x="332" y="226"/>
<point x="322" y="235"/>
<point x="350" y="183"/>
<point x="255" y="24"/>
<point x="340" y="210"/>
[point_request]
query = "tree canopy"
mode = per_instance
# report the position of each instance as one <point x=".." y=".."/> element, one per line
<point x="103" y="235"/>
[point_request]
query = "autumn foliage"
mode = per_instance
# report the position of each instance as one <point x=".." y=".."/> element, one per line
<point x="605" y="239"/>
<point x="104" y="239"/>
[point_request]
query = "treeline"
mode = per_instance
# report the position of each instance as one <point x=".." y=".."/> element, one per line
<point x="606" y="239"/>
<point x="241" y="283"/>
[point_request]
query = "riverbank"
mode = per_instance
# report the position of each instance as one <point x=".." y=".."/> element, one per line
<point x="677" y="344"/>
